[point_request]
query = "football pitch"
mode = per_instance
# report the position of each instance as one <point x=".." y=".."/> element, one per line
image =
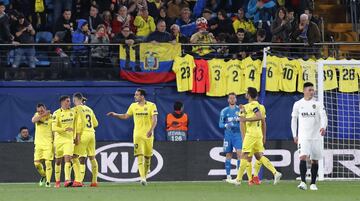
<point x="183" y="191"/>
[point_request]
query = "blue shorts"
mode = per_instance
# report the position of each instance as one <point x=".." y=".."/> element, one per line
<point x="231" y="141"/>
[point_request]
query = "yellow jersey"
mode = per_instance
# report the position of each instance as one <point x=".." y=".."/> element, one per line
<point x="43" y="132"/>
<point x="253" y="128"/>
<point x="142" y="115"/>
<point x="330" y="78"/>
<point x="252" y="73"/>
<point x="85" y="119"/>
<point x="273" y="73"/>
<point x="308" y="73"/>
<point x="290" y="71"/>
<point x="61" y="120"/>
<point x="217" y="77"/>
<point x="349" y="79"/>
<point x="183" y="67"/>
<point x="234" y="78"/>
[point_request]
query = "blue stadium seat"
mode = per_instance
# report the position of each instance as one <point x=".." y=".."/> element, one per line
<point x="42" y="52"/>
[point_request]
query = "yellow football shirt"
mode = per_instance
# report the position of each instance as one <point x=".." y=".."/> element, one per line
<point x="43" y="132"/>
<point x="252" y="72"/>
<point x="290" y="71"/>
<point x="183" y="67"/>
<point x="273" y="73"/>
<point x="253" y="128"/>
<point x="308" y="73"/>
<point x="217" y="77"/>
<point x="234" y="77"/>
<point x="61" y="120"/>
<point x="330" y="78"/>
<point x="86" y="119"/>
<point x="142" y="115"/>
<point x="348" y="78"/>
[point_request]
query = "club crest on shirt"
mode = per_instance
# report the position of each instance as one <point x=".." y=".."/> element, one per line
<point x="314" y="106"/>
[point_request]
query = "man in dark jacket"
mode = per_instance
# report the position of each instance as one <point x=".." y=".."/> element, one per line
<point x="160" y="35"/>
<point x="94" y="18"/>
<point x="65" y="24"/>
<point x="5" y="36"/>
<point x="307" y="32"/>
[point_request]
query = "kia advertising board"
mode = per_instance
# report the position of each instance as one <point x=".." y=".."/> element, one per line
<point x="172" y="161"/>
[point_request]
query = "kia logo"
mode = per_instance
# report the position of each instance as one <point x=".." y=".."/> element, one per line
<point x="117" y="163"/>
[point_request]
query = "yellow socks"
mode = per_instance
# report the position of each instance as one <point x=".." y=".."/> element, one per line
<point x="243" y="165"/>
<point x="265" y="161"/>
<point x="257" y="167"/>
<point x="94" y="170"/>
<point x="76" y="168"/>
<point x="40" y="168"/>
<point x="67" y="171"/>
<point x="48" y="166"/>
<point x="141" y="167"/>
<point x="147" y="166"/>
<point x="249" y="171"/>
<point x="82" y="172"/>
<point x="57" y="172"/>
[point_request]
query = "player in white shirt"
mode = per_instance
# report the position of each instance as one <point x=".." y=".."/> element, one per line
<point x="308" y="125"/>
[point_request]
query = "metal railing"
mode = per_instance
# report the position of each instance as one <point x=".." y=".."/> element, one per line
<point x="59" y="61"/>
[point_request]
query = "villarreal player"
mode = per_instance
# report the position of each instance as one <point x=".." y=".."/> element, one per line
<point x="63" y="124"/>
<point x="43" y="144"/>
<point x="145" y="119"/>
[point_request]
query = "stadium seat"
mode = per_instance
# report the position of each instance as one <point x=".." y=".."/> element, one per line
<point x="42" y="53"/>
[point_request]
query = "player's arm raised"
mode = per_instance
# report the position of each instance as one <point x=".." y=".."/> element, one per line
<point x="37" y="117"/>
<point x="294" y="119"/>
<point x="119" y="116"/>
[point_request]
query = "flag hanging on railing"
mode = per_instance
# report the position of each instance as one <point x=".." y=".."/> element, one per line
<point x="148" y="63"/>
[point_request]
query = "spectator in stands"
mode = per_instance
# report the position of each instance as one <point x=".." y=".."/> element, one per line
<point x="154" y="8"/>
<point x="59" y="6"/>
<point x="163" y="16"/>
<point x="100" y="54"/>
<point x="280" y="27"/>
<point x="257" y="51"/>
<point x="309" y="12"/>
<point x="66" y="25"/>
<point x="291" y="18"/>
<point x="106" y="15"/>
<point x="5" y="35"/>
<point x="214" y="5"/>
<point x="144" y="24"/>
<point x="81" y="9"/>
<point x="136" y="5"/>
<point x="241" y="22"/>
<point x="24" y="135"/>
<point x="176" y="34"/>
<point x="125" y="37"/>
<point x="306" y="32"/>
<point x="223" y="24"/>
<point x="94" y="19"/>
<point x="24" y="34"/>
<point x="177" y="123"/>
<point x="202" y="36"/>
<point x="240" y="50"/>
<point x="260" y="36"/>
<point x="260" y="10"/>
<point x="123" y="19"/>
<point x="160" y="35"/>
<point x="223" y="51"/>
<point x="175" y="7"/>
<point x="81" y="36"/>
<point x="186" y="24"/>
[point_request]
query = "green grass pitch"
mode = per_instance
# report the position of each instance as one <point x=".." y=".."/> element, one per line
<point x="184" y="191"/>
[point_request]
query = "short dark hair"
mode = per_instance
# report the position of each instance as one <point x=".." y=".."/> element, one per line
<point x="66" y="10"/>
<point x="232" y="94"/>
<point x="252" y="92"/>
<point x="261" y="32"/>
<point x="178" y="105"/>
<point x="160" y="21"/>
<point x="40" y="105"/>
<point x="79" y="96"/>
<point x="95" y="6"/>
<point x="63" y="97"/>
<point x="240" y="30"/>
<point x="142" y="91"/>
<point x="308" y="84"/>
<point x="22" y="128"/>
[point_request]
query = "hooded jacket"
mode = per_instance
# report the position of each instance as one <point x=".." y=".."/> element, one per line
<point x="79" y="36"/>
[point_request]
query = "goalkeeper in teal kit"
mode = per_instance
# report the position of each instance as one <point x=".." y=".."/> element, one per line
<point x="229" y="120"/>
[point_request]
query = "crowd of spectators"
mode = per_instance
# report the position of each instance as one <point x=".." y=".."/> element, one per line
<point x="134" y="21"/>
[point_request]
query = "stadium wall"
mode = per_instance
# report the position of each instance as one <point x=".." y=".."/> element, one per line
<point x="18" y="100"/>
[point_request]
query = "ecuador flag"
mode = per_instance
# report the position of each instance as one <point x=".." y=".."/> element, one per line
<point x="148" y="63"/>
